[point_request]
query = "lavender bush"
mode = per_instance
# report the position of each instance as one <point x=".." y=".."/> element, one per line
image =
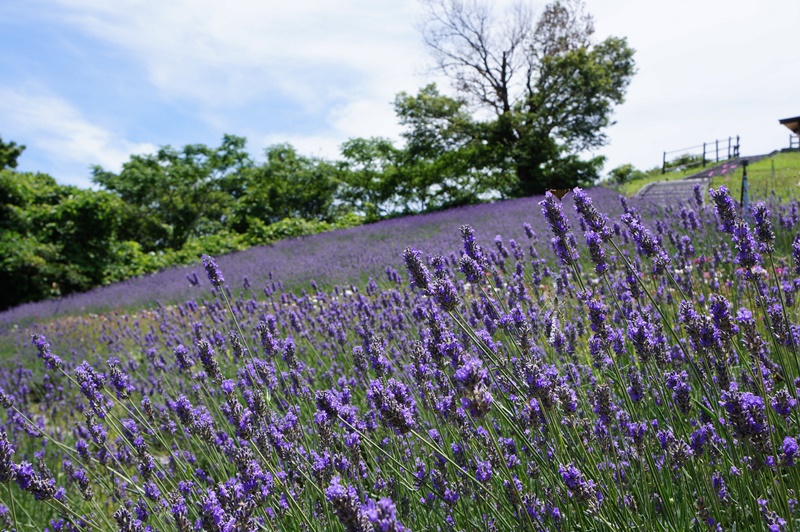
<point x="608" y="366"/>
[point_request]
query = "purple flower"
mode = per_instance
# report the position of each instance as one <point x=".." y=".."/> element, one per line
<point x="720" y="309"/>
<point x="678" y="383"/>
<point x="445" y="294"/>
<point x="51" y="361"/>
<point x="554" y="214"/>
<point x="580" y="488"/>
<point x="565" y="248"/>
<point x="789" y="450"/>
<point x="418" y="271"/>
<point x="6" y="462"/>
<point x="764" y="232"/>
<point x="29" y="480"/>
<point x="228" y="386"/>
<point x="483" y="472"/>
<point x="783" y="402"/>
<point x="6" y="401"/>
<point x="636" y="386"/>
<point x="647" y="339"/>
<point x="747" y="416"/>
<point x="471" y="269"/>
<point x="471" y="373"/>
<point x="182" y="354"/>
<point x="451" y="496"/>
<point x="345" y="504"/>
<point x="646" y="242"/>
<point x="213" y="516"/>
<point x="725" y="207"/>
<point x="91" y="383"/>
<point x="179" y="513"/>
<point x="127" y="522"/>
<point x="119" y="379"/>
<point x="210" y="365"/>
<point x="478" y="402"/>
<point x="719" y="486"/>
<point x="213" y="271"/>
<point x="597" y="222"/>
<point x="471" y="248"/>
<point x="382" y="515"/>
<point x="698" y="196"/>
<point x="796" y="254"/>
<point x="746" y="254"/>
<point x="395" y="404"/>
<point x="596" y="252"/>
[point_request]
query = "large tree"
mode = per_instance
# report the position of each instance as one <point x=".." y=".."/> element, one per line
<point x="544" y="89"/>
<point x="446" y="161"/>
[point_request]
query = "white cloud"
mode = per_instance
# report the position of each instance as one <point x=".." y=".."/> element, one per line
<point x="707" y="69"/>
<point x="61" y="133"/>
<point x="325" y="146"/>
<point x="228" y="53"/>
<point x="339" y="64"/>
<point x="361" y="118"/>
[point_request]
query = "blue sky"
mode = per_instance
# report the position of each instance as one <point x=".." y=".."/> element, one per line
<point x="86" y="82"/>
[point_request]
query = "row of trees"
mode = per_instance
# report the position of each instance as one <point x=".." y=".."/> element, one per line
<point x="531" y="98"/>
<point x="162" y="209"/>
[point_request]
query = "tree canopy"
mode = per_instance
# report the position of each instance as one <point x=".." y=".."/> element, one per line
<point x="9" y="153"/>
<point x="549" y="90"/>
<point x="175" y="194"/>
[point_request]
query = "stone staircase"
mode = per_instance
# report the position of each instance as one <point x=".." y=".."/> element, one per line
<point x="671" y="192"/>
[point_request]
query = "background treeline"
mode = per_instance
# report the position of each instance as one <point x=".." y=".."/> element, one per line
<point x="533" y="97"/>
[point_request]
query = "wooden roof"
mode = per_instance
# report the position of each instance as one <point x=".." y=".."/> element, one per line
<point x="792" y="123"/>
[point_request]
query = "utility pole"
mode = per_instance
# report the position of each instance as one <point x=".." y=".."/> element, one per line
<point x="744" y="202"/>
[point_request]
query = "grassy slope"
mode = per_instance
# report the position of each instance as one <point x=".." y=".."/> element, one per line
<point x="785" y="182"/>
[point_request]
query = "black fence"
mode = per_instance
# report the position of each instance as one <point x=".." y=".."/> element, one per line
<point x="794" y="142"/>
<point x="700" y="155"/>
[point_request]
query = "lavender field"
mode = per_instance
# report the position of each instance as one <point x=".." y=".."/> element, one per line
<point x="337" y="258"/>
<point x="528" y="365"/>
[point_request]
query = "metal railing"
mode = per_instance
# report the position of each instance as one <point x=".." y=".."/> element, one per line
<point x="701" y="154"/>
<point x="794" y="142"/>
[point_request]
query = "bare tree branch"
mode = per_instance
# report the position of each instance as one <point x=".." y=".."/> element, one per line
<point x="481" y="54"/>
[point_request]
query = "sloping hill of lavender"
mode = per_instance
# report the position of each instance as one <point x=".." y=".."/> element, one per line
<point x="335" y="258"/>
<point x="646" y="380"/>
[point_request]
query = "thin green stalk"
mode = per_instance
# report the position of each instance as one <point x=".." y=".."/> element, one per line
<point x="13" y="506"/>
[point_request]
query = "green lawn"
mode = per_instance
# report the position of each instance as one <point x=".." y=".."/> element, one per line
<point x="780" y="173"/>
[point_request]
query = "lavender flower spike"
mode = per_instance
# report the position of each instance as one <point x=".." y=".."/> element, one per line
<point x="418" y="271"/>
<point x="764" y="233"/>
<point x="554" y="214"/>
<point x="6" y="463"/>
<point x="51" y="361"/>
<point x="726" y="208"/>
<point x="213" y="271"/>
<point x="596" y="221"/>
